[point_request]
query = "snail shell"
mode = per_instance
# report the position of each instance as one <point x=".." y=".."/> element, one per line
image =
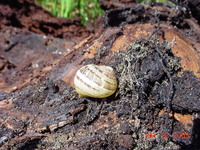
<point x="95" y="81"/>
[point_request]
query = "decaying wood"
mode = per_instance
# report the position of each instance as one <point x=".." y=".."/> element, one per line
<point x="38" y="101"/>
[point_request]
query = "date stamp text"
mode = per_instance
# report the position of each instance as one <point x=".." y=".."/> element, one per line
<point x="151" y="135"/>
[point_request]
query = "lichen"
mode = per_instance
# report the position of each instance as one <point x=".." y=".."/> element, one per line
<point x="141" y="64"/>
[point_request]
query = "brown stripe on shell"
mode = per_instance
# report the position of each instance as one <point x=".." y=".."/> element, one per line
<point x="95" y="81"/>
<point x="86" y="93"/>
<point x="107" y="75"/>
<point x="91" y="75"/>
<point x="94" y="73"/>
<point x="109" y="82"/>
<point x="78" y="78"/>
<point x="108" y="87"/>
<point x="84" y="69"/>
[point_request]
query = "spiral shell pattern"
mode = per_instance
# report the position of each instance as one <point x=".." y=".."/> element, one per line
<point x="95" y="81"/>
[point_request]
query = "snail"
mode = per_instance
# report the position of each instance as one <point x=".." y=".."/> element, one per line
<point x="95" y="81"/>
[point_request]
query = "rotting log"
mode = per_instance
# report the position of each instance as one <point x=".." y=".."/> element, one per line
<point x="38" y="99"/>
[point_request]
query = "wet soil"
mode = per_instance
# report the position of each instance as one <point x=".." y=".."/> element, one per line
<point x="154" y="50"/>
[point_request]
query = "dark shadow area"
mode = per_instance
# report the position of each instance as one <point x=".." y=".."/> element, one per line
<point x="195" y="145"/>
<point x="30" y="145"/>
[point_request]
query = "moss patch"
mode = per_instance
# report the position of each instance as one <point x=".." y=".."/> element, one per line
<point x="143" y="64"/>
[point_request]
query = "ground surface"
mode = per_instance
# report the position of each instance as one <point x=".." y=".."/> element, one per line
<point x="154" y="51"/>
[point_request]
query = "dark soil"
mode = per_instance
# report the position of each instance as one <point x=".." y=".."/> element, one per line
<point x="156" y="95"/>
